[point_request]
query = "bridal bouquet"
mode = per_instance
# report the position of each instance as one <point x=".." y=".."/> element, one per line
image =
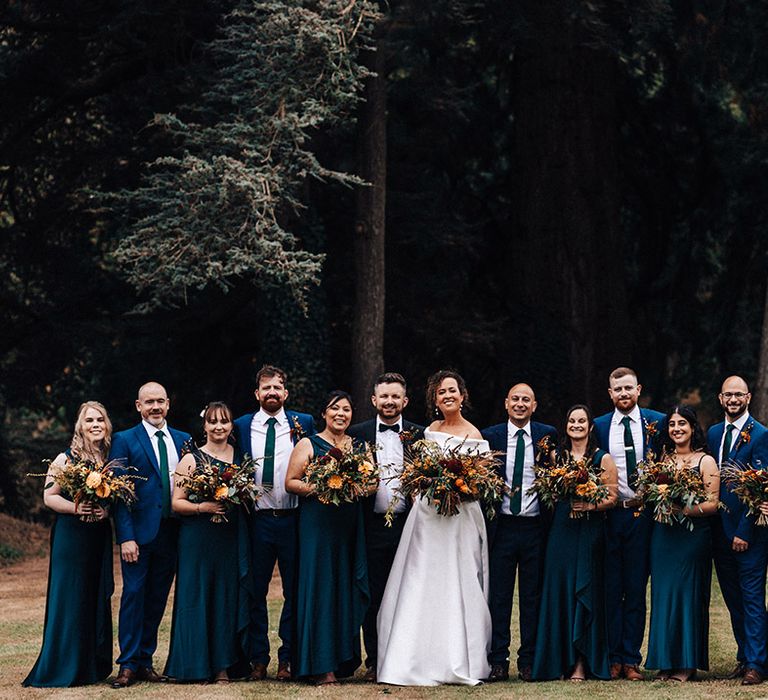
<point x="231" y="486"/>
<point x="342" y="475"/>
<point x="666" y="489"/>
<point x="87" y="482"/>
<point x="569" y="479"/>
<point x="750" y="486"/>
<point x="446" y="477"/>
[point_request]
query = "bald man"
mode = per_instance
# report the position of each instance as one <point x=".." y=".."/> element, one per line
<point x="739" y="547"/>
<point x="516" y="534"/>
<point x="146" y="533"/>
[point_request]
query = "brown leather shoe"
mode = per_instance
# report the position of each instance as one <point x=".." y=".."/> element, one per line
<point x="752" y="677"/>
<point x="258" y="672"/>
<point x="632" y="672"/>
<point x="150" y="675"/>
<point x="370" y="674"/>
<point x="125" y="678"/>
<point x="616" y="670"/>
<point x="283" y="671"/>
<point x="738" y="672"/>
<point x="525" y="673"/>
<point x="499" y="672"/>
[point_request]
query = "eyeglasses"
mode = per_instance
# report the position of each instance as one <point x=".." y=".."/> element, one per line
<point x="733" y="394"/>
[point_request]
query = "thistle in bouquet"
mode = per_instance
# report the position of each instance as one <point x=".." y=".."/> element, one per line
<point x="750" y="486"/>
<point x="342" y="475"/>
<point x="667" y="489"/>
<point x="446" y="477"/>
<point x="230" y="486"/>
<point x="98" y="484"/>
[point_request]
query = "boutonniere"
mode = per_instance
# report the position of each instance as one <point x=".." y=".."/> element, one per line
<point x="544" y="448"/>
<point x="744" y="435"/>
<point x="407" y="436"/>
<point x="651" y="429"/>
<point x="297" y="432"/>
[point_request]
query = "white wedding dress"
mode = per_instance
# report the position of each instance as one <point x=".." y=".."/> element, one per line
<point x="434" y="625"/>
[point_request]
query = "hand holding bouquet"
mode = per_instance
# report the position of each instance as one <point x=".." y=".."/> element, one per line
<point x="342" y="475"/>
<point x="750" y="486"/>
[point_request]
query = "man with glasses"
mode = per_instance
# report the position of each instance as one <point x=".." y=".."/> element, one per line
<point x="740" y="549"/>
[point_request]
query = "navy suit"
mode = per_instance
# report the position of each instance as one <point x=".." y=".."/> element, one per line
<point x="146" y="582"/>
<point x="273" y="539"/>
<point x="628" y="541"/>
<point x="381" y="541"/>
<point x="516" y="545"/>
<point x="742" y="574"/>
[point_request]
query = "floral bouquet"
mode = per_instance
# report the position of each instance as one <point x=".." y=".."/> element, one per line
<point x="342" y="475"/>
<point x="569" y="479"/>
<point x="750" y="486"/>
<point x="666" y="489"/>
<point x="98" y="484"/>
<point x="446" y="477"/>
<point x="231" y="486"/>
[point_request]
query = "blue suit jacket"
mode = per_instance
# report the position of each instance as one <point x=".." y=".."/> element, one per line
<point x="243" y="429"/>
<point x="648" y="417"/>
<point x="134" y="449"/>
<point x="745" y="453"/>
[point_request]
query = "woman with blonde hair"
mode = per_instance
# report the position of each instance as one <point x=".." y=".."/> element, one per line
<point x="77" y="636"/>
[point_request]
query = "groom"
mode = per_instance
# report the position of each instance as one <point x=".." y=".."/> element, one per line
<point x="387" y="434"/>
<point x="516" y="535"/>
<point x="147" y="533"/>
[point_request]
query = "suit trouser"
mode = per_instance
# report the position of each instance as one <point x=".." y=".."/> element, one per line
<point x="742" y="581"/>
<point x="628" y="542"/>
<point x="273" y="539"/>
<point x="381" y="546"/>
<point x="517" y="547"/>
<point x="146" y="584"/>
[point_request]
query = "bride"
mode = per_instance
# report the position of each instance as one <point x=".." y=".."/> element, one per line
<point x="434" y="625"/>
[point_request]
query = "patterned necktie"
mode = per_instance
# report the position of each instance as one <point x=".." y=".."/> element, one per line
<point x="629" y="451"/>
<point x="268" y="476"/>
<point x="165" y="478"/>
<point x="516" y="501"/>
<point x="727" y="442"/>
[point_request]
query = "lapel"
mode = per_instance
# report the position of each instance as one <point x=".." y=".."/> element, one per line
<point x="603" y="428"/>
<point x="143" y="439"/>
<point x="740" y="442"/>
<point x="645" y="424"/>
<point x="178" y="441"/>
<point x="715" y="438"/>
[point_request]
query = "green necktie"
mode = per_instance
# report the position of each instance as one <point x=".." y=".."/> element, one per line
<point x="515" y="503"/>
<point x="165" y="478"/>
<point x="629" y="451"/>
<point x="268" y="476"/>
<point x="727" y="442"/>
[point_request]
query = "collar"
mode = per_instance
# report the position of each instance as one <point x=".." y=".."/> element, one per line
<point x="262" y="416"/>
<point x="152" y="429"/>
<point x="381" y="422"/>
<point x="512" y="429"/>
<point x="634" y="415"/>
<point x="739" y="423"/>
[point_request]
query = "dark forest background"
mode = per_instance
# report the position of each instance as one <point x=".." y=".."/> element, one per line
<point x="523" y="190"/>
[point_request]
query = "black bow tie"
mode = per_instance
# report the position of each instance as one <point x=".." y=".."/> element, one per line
<point x="384" y="427"/>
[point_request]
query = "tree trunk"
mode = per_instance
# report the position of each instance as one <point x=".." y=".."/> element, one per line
<point x="370" y="228"/>
<point x="759" y="404"/>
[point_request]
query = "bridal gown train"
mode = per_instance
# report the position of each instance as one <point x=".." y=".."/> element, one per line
<point x="434" y="625"/>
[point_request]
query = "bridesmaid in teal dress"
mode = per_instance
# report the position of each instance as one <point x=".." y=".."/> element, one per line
<point x="572" y="634"/>
<point x="77" y="635"/>
<point x="681" y="563"/>
<point x="213" y="592"/>
<point x="331" y="575"/>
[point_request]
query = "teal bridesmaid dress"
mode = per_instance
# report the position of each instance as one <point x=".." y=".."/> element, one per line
<point x="681" y="579"/>
<point x="77" y="635"/>
<point x="572" y="612"/>
<point x="212" y="598"/>
<point x="331" y="585"/>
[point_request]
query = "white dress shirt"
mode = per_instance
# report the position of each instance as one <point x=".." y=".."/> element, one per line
<point x="529" y="503"/>
<point x="277" y="497"/>
<point x="170" y="447"/>
<point x="389" y="457"/>
<point x="739" y="423"/>
<point x="617" y="448"/>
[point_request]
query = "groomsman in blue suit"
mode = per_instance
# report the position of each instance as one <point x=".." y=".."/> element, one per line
<point x="387" y="434"/>
<point x="628" y="433"/>
<point x="516" y="535"/>
<point x="739" y="547"/>
<point x="269" y="436"/>
<point x="146" y="533"/>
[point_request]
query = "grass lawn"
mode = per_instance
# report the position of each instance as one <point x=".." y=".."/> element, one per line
<point x="22" y="607"/>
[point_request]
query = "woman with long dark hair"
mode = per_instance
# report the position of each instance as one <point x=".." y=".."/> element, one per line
<point x="681" y="561"/>
<point x="572" y="635"/>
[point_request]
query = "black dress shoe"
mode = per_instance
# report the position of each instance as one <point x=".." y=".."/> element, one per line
<point x="125" y="678"/>
<point x="498" y="673"/>
<point x="737" y="672"/>
<point x="525" y="673"/>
